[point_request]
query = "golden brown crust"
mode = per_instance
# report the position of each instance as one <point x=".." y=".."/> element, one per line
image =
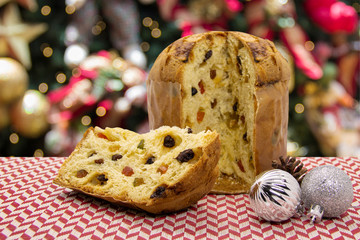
<point x="165" y="86"/>
<point x="195" y="184"/>
<point x="268" y="61"/>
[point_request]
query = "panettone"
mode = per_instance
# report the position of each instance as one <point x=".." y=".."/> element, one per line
<point x="231" y="82"/>
<point x="165" y="170"/>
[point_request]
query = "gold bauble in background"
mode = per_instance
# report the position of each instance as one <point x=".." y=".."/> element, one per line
<point x="13" y="80"/>
<point x="29" y="114"/>
<point x="4" y="117"/>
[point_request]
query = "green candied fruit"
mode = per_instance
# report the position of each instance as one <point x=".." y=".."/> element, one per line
<point x="141" y="144"/>
<point x="138" y="182"/>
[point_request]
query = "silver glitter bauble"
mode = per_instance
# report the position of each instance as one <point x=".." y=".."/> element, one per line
<point x="275" y="196"/>
<point x="330" y="188"/>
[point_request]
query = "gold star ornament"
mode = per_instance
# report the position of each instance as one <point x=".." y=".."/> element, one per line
<point x="28" y="4"/>
<point x="15" y="35"/>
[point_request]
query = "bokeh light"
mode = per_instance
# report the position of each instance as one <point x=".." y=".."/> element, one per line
<point x="38" y="153"/>
<point x="147" y="21"/>
<point x="309" y="45"/>
<point x="60" y="77"/>
<point x="48" y="51"/>
<point x="85" y="120"/>
<point x="70" y="9"/>
<point x="100" y="111"/>
<point x="156" y="33"/>
<point x="43" y="87"/>
<point x="45" y="10"/>
<point x="299" y="108"/>
<point x="14" y="138"/>
<point x="145" y="46"/>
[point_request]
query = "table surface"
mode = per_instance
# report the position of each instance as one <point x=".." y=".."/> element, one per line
<point x="31" y="206"/>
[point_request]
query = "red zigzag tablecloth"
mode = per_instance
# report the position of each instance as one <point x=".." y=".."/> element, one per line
<point x="31" y="206"/>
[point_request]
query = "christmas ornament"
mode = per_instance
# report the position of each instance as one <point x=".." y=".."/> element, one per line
<point x="15" y="35"/>
<point x="332" y="15"/>
<point x="275" y="196"/>
<point x="29" y="114"/>
<point x="13" y="80"/>
<point x="327" y="191"/>
<point x="291" y="165"/>
<point x="28" y="4"/>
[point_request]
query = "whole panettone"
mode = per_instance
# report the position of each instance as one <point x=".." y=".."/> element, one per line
<point x="231" y="82"/>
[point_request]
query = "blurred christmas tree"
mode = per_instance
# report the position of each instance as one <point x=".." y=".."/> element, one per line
<point x="322" y="113"/>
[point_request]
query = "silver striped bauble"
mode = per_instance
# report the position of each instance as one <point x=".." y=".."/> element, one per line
<point x="275" y="196"/>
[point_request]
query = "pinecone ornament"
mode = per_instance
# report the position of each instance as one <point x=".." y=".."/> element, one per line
<point x="291" y="165"/>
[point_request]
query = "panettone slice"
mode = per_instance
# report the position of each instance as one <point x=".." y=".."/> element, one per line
<point x="164" y="170"/>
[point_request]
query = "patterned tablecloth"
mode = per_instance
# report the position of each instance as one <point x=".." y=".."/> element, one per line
<point x="31" y="206"/>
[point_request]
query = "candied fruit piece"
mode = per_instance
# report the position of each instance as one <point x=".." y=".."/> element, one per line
<point x="200" y="115"/>
<point x="138" y="182"/>
<point x="162" y="169"/>
<point x="141" y="144"/>
<point x="241" y="167"/>
<point x="201" y="86"/>
<point x="127" y="171"/>
<point x="101" y="135"/>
